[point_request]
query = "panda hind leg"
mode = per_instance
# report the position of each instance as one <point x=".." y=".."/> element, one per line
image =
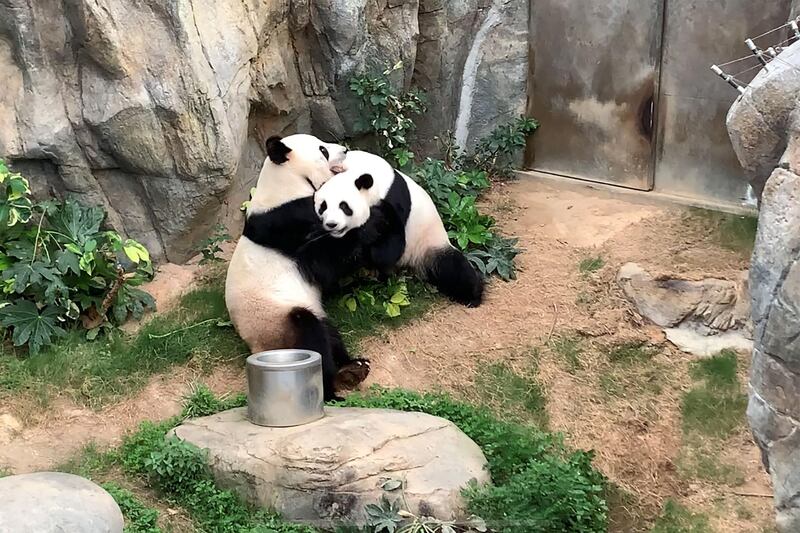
<point x="350" y="372"/>
<point x="451" y="273"/>
<point x="311" y="333"/>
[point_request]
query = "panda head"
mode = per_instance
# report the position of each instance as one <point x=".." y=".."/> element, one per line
<point x="306" y="156"/>
<point x="344" y="202"/>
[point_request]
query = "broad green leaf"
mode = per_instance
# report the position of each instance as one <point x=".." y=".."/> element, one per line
<point x="351" y="304"/>
<point x="30" y="326"/>
<point x="392" y="310"/>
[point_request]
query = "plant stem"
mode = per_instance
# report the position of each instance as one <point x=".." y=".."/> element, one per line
<point x="164" y="335"/>
<point x="36" y="240"/>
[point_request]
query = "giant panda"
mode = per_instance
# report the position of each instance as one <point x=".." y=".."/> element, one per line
<point x="272" y="296"/>
<point x="415" y="236"/>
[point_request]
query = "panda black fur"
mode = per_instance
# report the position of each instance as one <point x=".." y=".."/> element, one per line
<point x="411" y="234"/>
<point x="271" y="288"/>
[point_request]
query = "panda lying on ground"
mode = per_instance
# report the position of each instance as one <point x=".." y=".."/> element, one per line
<point x="272" y="289"/>
<point x="408" y="233"/>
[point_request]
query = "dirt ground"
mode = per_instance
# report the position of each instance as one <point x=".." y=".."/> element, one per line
<point x="637" y="437"/>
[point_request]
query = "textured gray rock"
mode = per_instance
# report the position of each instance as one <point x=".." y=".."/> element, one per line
<point x="764" y="125"/>
<point x="53" y="502"/>
<point x="700" y="317"/>
<point x="158" y="111"/>
<point x="328" y="470"/>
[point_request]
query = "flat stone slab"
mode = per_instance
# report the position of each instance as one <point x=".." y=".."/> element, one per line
<point x="325" y="472"/>
<point x="53" y="502"/>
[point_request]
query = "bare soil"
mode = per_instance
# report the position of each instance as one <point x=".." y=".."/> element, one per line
<point x="636" y="433"/>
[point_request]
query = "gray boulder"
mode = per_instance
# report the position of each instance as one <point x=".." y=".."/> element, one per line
<point x="53" y="502"/>
<point x="699" y="317"/>
<point x="325" y="472"/>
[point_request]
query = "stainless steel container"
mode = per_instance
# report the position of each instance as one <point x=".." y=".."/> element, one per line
<point x="284" y="388"/>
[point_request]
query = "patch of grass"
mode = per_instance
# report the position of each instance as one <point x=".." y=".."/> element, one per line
<point x="138" y="517"/>
<point x="698" y="460"/>
<point x="734" y="232"/>
<point x="366" y="321"/>
<point x="624" y="510"/>
<point x="539" y="484"/>
<point x="675" y="518"/>
<point x="631" y="352"/>
<point x="715" y="408"/>
<point x="510" y="393"/>
<point x="591" y="264"/>
<point x="5" y="472"/>
<point x="90" y="461"/>
<point x="100" y="371"/>
<point x="569" y="348"/>
<point x="202" y="401"/>
<point x="718" y="371"/>
<point x="713" y="412"/>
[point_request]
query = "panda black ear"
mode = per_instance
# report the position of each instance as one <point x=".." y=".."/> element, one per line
<point x="364" y="181"/>
<point x="277" y="151"/>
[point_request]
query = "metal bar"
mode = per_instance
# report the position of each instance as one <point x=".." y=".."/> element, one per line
<point x="718" y="71"/>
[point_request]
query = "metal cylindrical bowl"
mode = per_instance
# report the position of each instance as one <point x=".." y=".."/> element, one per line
<point x="284" y="388"/>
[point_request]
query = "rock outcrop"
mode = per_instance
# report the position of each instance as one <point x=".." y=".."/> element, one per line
<point x="764" y="125"/>
<point x="700" y="317"/>
<point x="325" y="472"/>
<point x="53" y="502"/>
<point x="158" y="111"/>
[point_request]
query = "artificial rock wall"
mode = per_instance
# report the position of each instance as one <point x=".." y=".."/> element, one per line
<point x="764" y="125"/>
<point x="158" y="110"/>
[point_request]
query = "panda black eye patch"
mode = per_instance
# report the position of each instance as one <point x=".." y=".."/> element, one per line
<point x="322" y="207"/>
<point x="324" y="152"/>
<point x="346" y="209"/>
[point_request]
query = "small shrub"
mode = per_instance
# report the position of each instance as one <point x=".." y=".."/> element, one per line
<point x="210" y="247"/>
<point x="495" y="153"/>
<point x="138" y="517"/>
<point x="387" y="113"/>
<point x="58" y="267"/>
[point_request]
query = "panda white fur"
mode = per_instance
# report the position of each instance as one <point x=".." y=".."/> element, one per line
<point x="272" y="301"/>
<point x="412" y="232"/>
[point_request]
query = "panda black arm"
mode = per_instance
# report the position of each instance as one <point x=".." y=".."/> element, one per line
<point x="285" y="228"/>
<point x="384" y="236"/>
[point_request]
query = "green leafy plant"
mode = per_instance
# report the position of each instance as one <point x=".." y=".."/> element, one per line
<point x="59" y="266"/>
<point x="138" y="517"/>
<point x="370" y="293"/>
<point x="202" y="401"/>
<point x="387" y="113"/>
<point x="210" y="246"/>
<point x="455" y="193"/>
<point x="393" y="516"/>
<point x="495" y="153"/>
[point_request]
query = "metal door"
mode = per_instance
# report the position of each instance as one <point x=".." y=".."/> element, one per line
<point x="695" y="158"/>
<point x="594" y="84"/>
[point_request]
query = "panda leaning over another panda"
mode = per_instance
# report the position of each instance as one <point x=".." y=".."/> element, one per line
<point x="272" y="288"/>
<point x="411" y="234"/>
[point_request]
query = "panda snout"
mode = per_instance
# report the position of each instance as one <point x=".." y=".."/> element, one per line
<point x="331" y="225"/>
